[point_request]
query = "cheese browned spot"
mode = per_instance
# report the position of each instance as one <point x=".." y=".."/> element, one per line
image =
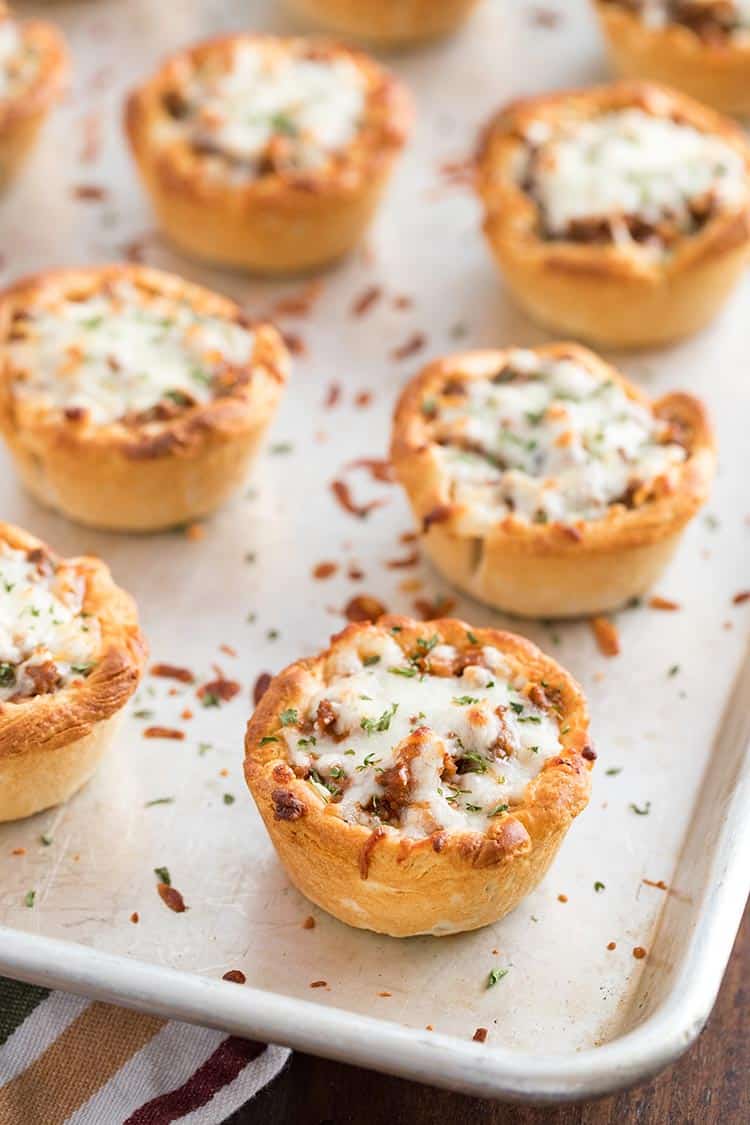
<point x="630" y="177"/>
<point x="264" y="106"/>
<point x="546" y="439"/>
<point x="47" y="640"/>
<point x="123" y="353"/>
<point x="428" y="741"/>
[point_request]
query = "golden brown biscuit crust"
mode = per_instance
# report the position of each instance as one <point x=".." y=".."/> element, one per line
<point x="388" y="22"/>
<point x="22" y="114"/>
<point x="379" y="879"/>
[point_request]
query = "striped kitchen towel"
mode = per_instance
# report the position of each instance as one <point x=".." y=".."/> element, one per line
<point x="69" y="1061"/>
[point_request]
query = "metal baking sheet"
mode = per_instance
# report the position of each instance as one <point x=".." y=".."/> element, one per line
<point x="571" y="1018"/>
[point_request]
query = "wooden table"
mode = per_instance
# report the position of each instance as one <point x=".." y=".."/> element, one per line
<point x="710" y="1085"/>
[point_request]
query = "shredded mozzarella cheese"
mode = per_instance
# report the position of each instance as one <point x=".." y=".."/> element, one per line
<point x="42" y="625"/>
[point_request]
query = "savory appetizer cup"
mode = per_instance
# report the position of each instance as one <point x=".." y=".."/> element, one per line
<point x="130" y="399"/>
<point x="699" y="46"/>
<point x="418" y="778"/>
<point x="389" y="23"/>
<point x="33" y="67"/>
<point x="71" y="655"/>
<point x="544" y="482"/>
<point x="267" y="154"/>
<point x="620" y="214"/>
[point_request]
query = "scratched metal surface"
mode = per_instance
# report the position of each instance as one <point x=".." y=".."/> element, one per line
<point x="565" y="991"/>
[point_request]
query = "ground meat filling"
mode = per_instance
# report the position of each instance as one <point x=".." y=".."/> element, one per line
<point x="423" y="738"/>
<point x="713" y="21"/>
<point x="124" y="353"/>
<point x="628" y="177"/>
<point x="546" y="440"/>
<point x="47" y="640"/>
<point x="262" y="108"/>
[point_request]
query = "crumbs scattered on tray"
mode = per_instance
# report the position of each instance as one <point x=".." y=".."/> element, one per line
<point x="479" y="1036"/>
<point x="639" y="952"/>
<point x="173" y="672"/>
<point x="659" y="884"/>
<point x="343" y="494"/>
<point x="309" y="923"/>
<point x="164" y="732"/>
<point x="319" y="984"/>
<point x="366" y="300"/>
<point x="741" y="597"/>
<point x="605" y="635"/>
<point x="411" y="346"/>
<point x="440" y="606"/>
<point x="363" y="607"/>
<point x="657" y="602"/>
<point x="219" y="690"/>
<point x="236" y="976"/>
<point x="323" y="570"/>
<point x="135" y="917"/>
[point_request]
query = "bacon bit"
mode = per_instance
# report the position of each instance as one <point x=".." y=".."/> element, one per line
<point x="458" y="173"/>
<point x="286" y="806"/>
<point x="91" y="138"/>
<point x="355" y="573"/>
<point x="410" y="585"/>
<point x="480" y="1035"/>
<point x="221" y="687"/>
<point x="378" y="467"/>
<point x="408" y="537"/>
<point x="365" y="855"/>
<point x="657" y="602"/>
<point x="429" y="1027"/>
<point x="135" y="250"/>
<point x="236" y="976"/>
<point x="224" y="772"/>
<point x="18" y="851"/>
<point x="562" y="898"/>
<point x="366" y="300"/>
<point x="743" y="596"/>
<point x="309" y="923"/>
<point x="195" y="532"/>
<point x="659" y="884"/>
<point x="173" y="672"/>
<point x="294" y="343"/>
<point x="164" y="732"/>
<point x="403" y="301"/>
<point x="90" y="193"/>
<point x="333" y="394"/>
<point x="589" y="754"/>
<point x="299" y="303"/>
<point x="410" y="347"/>
<point x="75" y="413"/>
<point x="319" y="984"/>
<point x="228" y="650"/>
<point x="261" y="687"/>
<point x="611" y="945"/>
<point x="324" y="570"/>
<point x="342" y="492"/>
<point x="173" y="691"/>
<point x="385" y="994"/>
<point x="546" y="17"/>
<point x="438" y="515"/>
<point x="399" y="564"/>
<point x="438" y="608"/>
<point x="135" y="917"/>
<point x="605" y="634"/>
<point x="186" y="714"/>
<point x="363" y="607"/>
<point x="639" y="952"/>
<point x="363" y="399"/>
<point x="171" y="897"/>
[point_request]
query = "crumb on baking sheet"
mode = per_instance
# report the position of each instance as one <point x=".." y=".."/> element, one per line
<point x="605" y="635"/>
<point x="658" y="602"/>
<point x="236" y="976"/>
<point x="413" y="344"/>
<point x="363" y="607"/>
<point x="308" y="923"/>
<point x="164" y="732"/>
<point x="173" y="672"/>
<point x="480" y="1035"/>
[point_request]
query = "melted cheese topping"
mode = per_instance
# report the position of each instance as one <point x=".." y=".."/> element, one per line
<point x="18" y="62"/>
<point x="273" y="107"/>
<point x="547" y="440"/>
<point x="46" y="639"/>
<point x="630" y="163"/>
<point x="121" y="352"/>
<point x="420" y="751"/>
